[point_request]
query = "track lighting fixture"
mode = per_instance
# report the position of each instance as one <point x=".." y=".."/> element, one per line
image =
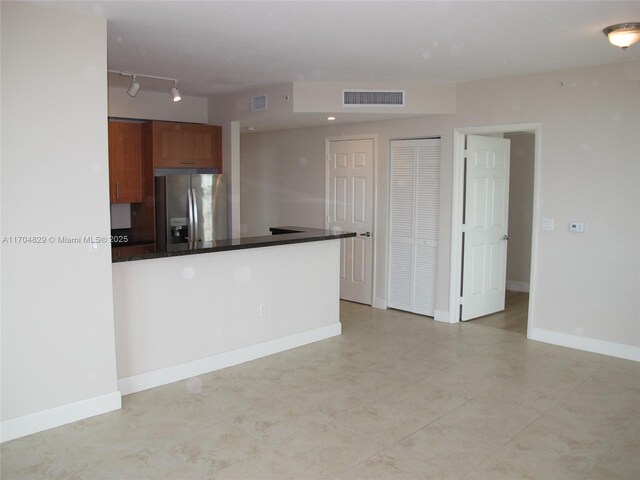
<point x="175" y="92"/>
<point x="135" y="85"/>
<point x="133" y="89"/>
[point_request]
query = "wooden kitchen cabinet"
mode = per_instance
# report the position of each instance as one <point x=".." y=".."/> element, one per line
<point x="186" y="145"/>
<point x="125" y="162"/>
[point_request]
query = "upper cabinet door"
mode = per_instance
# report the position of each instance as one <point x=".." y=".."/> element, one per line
<point x="125" y="162"/>
<point x="186" y="145"/>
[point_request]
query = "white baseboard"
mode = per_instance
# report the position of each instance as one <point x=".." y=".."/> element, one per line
<point x="379" y="303"/>
<point x="517" y="286"/>
<point x="441" y="316"/>
<point x="55" y="417"/>
<point x="144" y="381"/>
<point x="620" y="350"/>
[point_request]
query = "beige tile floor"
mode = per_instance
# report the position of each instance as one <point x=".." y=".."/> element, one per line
<point x="397" y="396"/>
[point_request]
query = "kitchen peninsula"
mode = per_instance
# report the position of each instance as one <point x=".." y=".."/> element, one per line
<point x="281" y="236"/>
<point x="187" y="312"/>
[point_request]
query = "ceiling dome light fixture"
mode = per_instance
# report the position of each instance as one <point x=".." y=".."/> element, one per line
<point x="135" y="85"/>
<point x="623" y="35"/>
<point x="133" y="89"/>
<point x="175" y="93"/>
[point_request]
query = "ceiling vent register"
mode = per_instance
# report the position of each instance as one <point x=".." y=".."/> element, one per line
<point x="258" y="103"/>
<point x="373" y="98"/>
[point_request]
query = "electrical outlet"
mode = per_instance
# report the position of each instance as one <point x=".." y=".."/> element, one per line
<point x="547" y="224"/>
<point x="263" y="309"/>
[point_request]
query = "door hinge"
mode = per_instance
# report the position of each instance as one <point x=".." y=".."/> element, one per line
<point x="466" y="153"/>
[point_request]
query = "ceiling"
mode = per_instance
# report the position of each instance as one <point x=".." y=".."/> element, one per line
<point x="218" y="47"/>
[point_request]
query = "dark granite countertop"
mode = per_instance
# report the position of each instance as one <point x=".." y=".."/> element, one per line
<point x="126" y="237"/>
<point x="281" y="236"/>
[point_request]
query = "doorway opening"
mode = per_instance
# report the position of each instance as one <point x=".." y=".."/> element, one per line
<point x="516" y="264"/>
<point x="514" y="316"/>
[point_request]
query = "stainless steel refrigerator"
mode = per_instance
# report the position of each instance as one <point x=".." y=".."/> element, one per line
<point x="191" y="210"/>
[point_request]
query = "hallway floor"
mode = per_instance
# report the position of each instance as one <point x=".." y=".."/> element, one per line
<point x="513" y="318"/>
<point x="397" y="396"/>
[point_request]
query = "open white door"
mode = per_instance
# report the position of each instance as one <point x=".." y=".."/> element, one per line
<point x="349" y="208"/>
<point x="485" y="226"/>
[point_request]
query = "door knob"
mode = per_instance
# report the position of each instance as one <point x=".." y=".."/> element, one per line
<point x="506" y="237"/>
<point x="368" y="234"/>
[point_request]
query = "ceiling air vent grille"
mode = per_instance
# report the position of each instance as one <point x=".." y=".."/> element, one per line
<point x="373" y="98"/>
<point x="258" y="102"/>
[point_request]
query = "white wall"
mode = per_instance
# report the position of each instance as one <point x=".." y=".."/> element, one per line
<point x="520" y="209"/>
<point x="587" y="284"/>
<point x="235" y="112"/>
<point x="279" y="105"/>
<point x="183" y="316"/>
<point x="215" y="111"/>
<point x="420" y="98"/>
<point x="281" y="180"/>
<point x="149" y="105"/>
<point x="57" y="312"/>
<point x="121" y="215"/>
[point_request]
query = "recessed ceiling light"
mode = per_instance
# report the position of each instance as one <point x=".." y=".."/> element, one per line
<point x="251" y="129"/>
<point x="331" y="118"/>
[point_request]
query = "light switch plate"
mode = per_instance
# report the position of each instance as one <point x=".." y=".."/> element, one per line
<point x="547" y="224"/>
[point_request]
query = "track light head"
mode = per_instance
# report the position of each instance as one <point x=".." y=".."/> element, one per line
<point x="134" y="87"/>
<point x="175" y="93"/>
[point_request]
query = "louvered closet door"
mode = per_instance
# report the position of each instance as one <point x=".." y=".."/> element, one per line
<point x="402" y="194"/>
<point x="414" y="219"/>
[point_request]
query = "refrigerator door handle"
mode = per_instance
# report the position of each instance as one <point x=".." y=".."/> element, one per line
<point x="190" y="232"/>
<point x="194" y="204"/>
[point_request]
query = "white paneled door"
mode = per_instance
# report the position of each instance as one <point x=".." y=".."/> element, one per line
<point x="485" y="226"/>
<point x="349" y="207"/>
<point x="414" y="225"/>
